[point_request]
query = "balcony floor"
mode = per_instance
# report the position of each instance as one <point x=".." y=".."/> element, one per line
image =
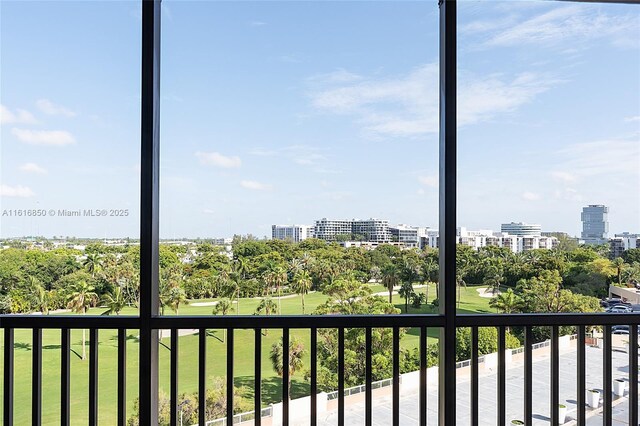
<point x="354" y="410"/>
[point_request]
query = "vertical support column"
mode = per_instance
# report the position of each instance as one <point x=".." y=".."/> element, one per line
<point x="65" y="377"/>
<point x="582" y="377"/>
<point x="149" y="211"/>
<point x="555" y="376"/>
<point x="528" y="376"/>
<point x="447" y="215"/>
<point x="36" y="377"/>
<point x="7" y="413"/>
<point x="93" y="376"/>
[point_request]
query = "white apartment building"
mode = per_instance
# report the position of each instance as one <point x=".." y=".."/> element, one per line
<point x="295" y="233"/>
<point x="408" y="236"/>
<point x="374" y="230"/>
<point x="486" y="237"/>
<point x="521" y="229"/>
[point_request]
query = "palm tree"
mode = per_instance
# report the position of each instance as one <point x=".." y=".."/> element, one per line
<point x="390" y="279"/>
<point x="618" y="263"/>
<point x="268" y="306"/>
<point x="175" y="297"/>
<point x="507" y="302"/>
<point x="223" y="307"/>
<point x="494" y="276"/>
<point x="302" y="285"/>
<point x="406" y="291"/>
<point x="40" y="297"/>
<point x="92" y="263"/>
<point x="114" y="301"/>
<point x="430" y="270"/>
<point x="80" y="300"/>
<point x="280" y="277"/>
<point x="296" y="353"/>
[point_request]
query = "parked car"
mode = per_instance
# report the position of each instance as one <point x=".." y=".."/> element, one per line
<point x="620" y="328"/>
<point x="606" y="303"/>
<point x="619" y="309"/>
<point x="621" y="332"/>
<point x="624" y="328"/>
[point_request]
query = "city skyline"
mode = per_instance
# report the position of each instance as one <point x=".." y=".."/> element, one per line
<point x="259" y="127"/>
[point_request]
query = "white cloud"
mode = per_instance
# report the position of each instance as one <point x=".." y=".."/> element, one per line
<point x="33" y="168"/>
<point x="257" y="23"/>
<point x="303" y="155"/>
<point x="18" y="191"/>
<point x="632" y="119"/>
<point x="565" y="177"/>
<point x="605" y="157"/>
<point x="530" y="196"/>
<point x="255" y="185"/>
<point x="431" y="181"/>
<point x="50" y="108"/>
<point x="408" y="105"/>
<point x="339" y="76"/>
<point x="562" y="25"/>
<point x="44" y="137"/>
<point x="218" y="160"/>
<point x="19" y="116"/>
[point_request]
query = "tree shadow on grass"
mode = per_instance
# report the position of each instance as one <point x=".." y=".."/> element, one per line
<point x="51" y="346"/>
<point x="22" y="345"/>
<point x="135" y="339"/>
<point x="213" y="333"/>
<point x="272" y="388"/>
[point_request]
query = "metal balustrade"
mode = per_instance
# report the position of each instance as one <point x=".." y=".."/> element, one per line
<point x="313" y="323"/>
<point x="446" y="322"/>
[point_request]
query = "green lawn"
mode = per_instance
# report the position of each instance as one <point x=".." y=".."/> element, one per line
<point x="188" y="360"/>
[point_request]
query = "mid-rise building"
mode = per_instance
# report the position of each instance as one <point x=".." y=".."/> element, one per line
<point x="485" y="238"/>
<point x="295" y="233"/>
<point x="622" y="242"/>
<point x="521" y="229"/>
<point x="595" y="224"/>
<point x="408" y="236"/>
<point x="374" y="230"/>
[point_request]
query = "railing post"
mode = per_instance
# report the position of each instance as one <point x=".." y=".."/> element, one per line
<point x="447" y="215"/>
<point x="149" y="210"/>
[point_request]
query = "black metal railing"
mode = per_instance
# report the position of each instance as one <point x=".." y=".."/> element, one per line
<point x="313" y="323"/>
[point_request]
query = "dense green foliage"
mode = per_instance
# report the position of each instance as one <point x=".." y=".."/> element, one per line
<point x="41" y="278"/>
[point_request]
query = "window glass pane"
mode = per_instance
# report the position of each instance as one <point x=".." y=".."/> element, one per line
<point x="283" y="121"/>
<point x="548" y="177"/>
<point x="69" y="184"/>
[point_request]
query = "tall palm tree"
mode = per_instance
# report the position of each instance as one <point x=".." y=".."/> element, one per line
<point x="280" y="278"/>
<point x="390" y="279"/>
<point x="41" y="299"/>
<point x="223" y="307"/>
<point x="296" y="353"/>
<point x="406" y="291"/>
<point x="114" y="301"/>
<point x="301" y="285"/>
<point x="618" y="263"/>
<point x="81" y="298"/>
<point x="92" y="263"/>
<point x="268" y="306"/>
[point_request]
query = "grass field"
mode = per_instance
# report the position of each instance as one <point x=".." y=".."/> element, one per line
<point x="188" y="360"/>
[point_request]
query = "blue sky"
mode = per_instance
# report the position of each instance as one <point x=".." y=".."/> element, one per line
<point x="286" y="112"/>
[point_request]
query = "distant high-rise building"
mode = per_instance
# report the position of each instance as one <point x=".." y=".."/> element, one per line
<point x="595" y="226"/>
<point x="295" y="233"/>
<point x="521" y="229"/>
